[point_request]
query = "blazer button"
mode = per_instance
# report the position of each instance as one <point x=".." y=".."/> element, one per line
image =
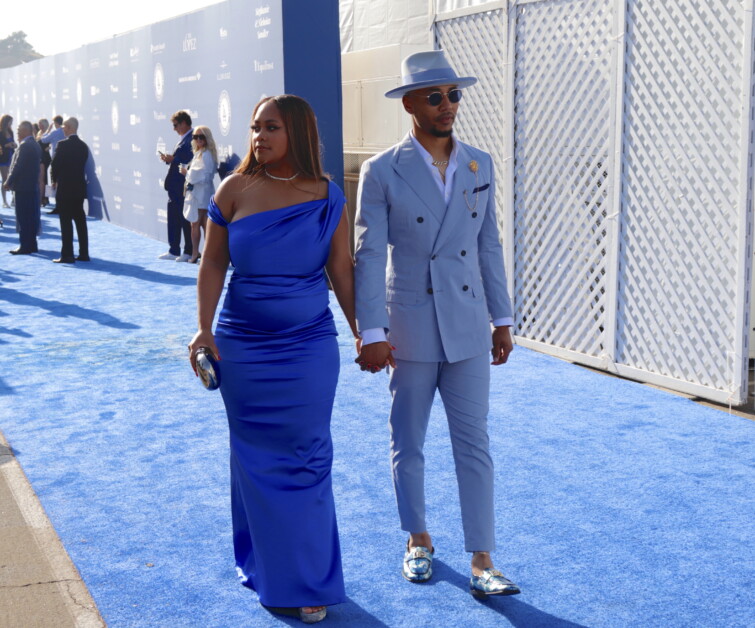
<point x="429" y="291"/>
<point x="465" y="288"/>
<point x="420" y="219"/>
<point x="433" y="257"/>
<point x="474" y="214"/>
<point x="463" y="253"/>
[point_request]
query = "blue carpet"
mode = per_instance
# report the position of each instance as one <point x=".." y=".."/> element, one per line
<point x="617" y="504"/>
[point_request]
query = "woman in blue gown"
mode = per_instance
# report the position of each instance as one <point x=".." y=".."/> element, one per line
<point x="280" y="222"/>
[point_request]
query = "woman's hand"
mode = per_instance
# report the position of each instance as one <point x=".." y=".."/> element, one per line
<point x="183" y="170"/>
<point x="203" y="338"/>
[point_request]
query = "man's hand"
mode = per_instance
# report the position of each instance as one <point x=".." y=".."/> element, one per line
<point x="5" y="187"/>
<point x="502" y="345"/>
<point x="167" y="158"/>
<point x="375" y="357"/>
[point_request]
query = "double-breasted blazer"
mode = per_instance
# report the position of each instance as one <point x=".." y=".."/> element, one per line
<point x="430" y="273"/>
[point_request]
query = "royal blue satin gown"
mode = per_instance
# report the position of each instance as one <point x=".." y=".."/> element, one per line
<point x="279" y="368"/>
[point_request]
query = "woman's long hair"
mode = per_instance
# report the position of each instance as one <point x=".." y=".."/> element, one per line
<point x="303" y="139"/>
<point x="5" y="123"/>
<point x="208" y="141"/>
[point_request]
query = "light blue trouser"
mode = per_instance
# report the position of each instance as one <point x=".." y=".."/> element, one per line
<point x="464" y="388"/>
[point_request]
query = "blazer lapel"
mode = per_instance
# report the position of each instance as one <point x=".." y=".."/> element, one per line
<point x="410" y="167"/>
<point x="464" y="181"/>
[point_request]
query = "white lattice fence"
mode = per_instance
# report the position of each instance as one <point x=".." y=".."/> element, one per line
<point x="627" y="178"/>
<point x="475" y="44"/>
<point x="562" y="112"/>
<point x="681" y="191"/>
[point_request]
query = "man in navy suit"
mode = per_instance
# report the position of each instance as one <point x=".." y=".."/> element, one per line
<point x="69" y="178"/>
<point x="174" y="185"/>
<point x="432" y="303"/>
<point x="23" y="179"/>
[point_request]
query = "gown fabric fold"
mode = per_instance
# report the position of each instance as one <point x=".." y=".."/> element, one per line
<point x="279" y="369"/>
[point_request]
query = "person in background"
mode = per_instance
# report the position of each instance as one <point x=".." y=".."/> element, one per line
<point x="54" y="135"/>
<point x="43" y="125"/>
<point x="23" y="178"/>
<point x="69" y="179"/>
<point x="174" y="186"/>
<point x="7" y="146"/>
<point x="199" y="185"/>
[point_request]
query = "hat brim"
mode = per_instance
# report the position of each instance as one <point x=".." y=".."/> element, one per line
<point x="461" y="81"/>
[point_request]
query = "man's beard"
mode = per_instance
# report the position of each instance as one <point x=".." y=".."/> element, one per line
<point x="438" y="133"/>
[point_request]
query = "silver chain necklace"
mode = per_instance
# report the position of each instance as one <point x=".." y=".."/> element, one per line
<point x="440" y="163"/>
<point x="272" y="176"/>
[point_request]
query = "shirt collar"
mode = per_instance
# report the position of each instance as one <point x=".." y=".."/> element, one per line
<point x="428" y="157"/>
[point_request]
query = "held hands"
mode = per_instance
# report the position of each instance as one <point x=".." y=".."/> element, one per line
<point x="203" y="338"/>
<point x="503" y="345"/>
<point x="375" y="357"/>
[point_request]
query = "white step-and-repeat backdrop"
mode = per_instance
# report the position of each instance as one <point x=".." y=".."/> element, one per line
<point x="215" y="63"/>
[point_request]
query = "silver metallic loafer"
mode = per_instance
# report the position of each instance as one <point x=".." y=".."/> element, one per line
<point x="418" y="564"/>
<point x="491" y="582"/>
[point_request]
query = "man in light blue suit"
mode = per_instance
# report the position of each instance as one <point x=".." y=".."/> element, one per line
<point x="430" y="293"/>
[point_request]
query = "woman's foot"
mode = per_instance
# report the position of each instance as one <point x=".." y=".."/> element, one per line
<point x="312" y="614"/>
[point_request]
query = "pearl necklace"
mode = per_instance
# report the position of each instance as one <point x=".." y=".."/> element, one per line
<point x="272" y="176"/>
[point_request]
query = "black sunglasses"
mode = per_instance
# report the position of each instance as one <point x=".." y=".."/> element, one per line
<point x="435" y="98"/>
<point x="198" y="137"/>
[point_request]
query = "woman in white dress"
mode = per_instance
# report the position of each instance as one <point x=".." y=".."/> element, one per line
<point x="199" y="184"/>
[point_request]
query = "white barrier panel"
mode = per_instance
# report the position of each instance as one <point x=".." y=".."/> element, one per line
<point x="626" y="171"/>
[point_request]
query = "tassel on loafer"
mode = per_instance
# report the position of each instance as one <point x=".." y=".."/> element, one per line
<point x="491" y="582"/>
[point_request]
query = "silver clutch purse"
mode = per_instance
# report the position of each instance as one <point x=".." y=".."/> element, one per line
<point x="207" y="368"/>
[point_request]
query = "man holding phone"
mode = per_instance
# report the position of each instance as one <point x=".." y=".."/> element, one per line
<point x="174" y="185"/>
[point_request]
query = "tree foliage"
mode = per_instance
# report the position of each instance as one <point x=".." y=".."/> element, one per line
<point x="15" y="50"/>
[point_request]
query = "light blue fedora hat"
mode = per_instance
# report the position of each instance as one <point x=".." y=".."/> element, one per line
<point x="425" y="69"/>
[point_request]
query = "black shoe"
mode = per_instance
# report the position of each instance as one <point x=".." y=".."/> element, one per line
<point x="64" y="260"/>
<point x="83" y="258"/>
<point x="53" y="211"/>
<point x="21" y="251"/>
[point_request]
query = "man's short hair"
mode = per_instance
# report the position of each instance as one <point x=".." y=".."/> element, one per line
<point x="58" y="119"/>
<point x="27" y="125"/>
<point x="73" y="123"/>
<point x="181" y="116"/>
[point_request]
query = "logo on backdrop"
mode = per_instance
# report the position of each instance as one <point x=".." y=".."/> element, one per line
<point x="79" y="92"/>
<point x="114" y="117"/>
<point x="34" y="97"/>
<point x="159" y="81"/>
<point x="161" y="147"/>
<point x="134" y="85"/>
<point x="189" y="43"/>
<point x="224" y="112"/>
